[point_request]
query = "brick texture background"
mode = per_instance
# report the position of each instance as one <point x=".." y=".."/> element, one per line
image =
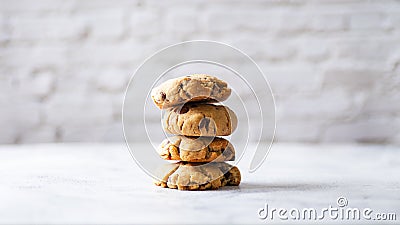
<point x="334" y="66"/>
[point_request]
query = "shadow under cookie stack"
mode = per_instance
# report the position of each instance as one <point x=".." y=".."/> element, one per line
<point x="195" y="121"/>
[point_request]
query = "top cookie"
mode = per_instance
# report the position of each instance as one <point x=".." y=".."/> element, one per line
<point x="197" y="87"/>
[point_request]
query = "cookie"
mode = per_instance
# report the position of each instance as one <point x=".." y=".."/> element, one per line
<point x="197" y="87"/>
<point x="196" y="119"/>
<point x="192" y="149"/>
<point x="197" y="176"/>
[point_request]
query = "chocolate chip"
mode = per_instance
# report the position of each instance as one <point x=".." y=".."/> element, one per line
<point x="163" y="96"/>
<point x="184" y="110"/>
<point x="227" y="175"/>
<point x="204" y="123"/>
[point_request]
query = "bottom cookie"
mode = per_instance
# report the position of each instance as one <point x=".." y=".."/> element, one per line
<point x="198" y="176"/>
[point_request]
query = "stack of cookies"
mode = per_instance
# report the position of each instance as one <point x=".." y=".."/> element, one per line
<point x="195" y="121"/>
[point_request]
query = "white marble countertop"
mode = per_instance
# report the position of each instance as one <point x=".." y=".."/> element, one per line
<point x="101" y="184"/>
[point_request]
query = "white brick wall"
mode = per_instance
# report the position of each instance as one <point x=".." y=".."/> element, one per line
<point x="334" y="66"/>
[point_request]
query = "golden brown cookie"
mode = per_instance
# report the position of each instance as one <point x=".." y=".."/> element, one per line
<point x="197" y="119"/>
<point x="196" y="149"/>
<point x="197" y="87"/>
<point x="198" y="176"/>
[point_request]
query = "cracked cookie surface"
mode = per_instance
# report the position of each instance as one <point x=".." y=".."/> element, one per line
<point x="192" y="149"/>
<point x="197" y="119"/>
<point x="197" y="87"/>
<point x="198" y="176"/>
